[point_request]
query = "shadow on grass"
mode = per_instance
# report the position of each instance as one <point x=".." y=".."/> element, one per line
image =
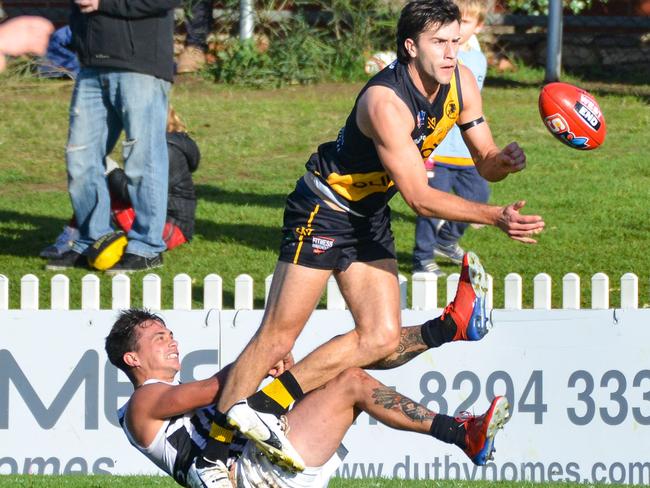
<point x="218" y="195"/>
<point x="254" y="236"/>
<point x="26" y="235"/>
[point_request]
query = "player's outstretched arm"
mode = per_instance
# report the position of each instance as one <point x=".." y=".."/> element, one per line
<point x="383" y="117"/>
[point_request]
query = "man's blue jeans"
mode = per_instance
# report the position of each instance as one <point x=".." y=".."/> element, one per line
<point x="431" y="233"/>
<point x="105" y="102"/>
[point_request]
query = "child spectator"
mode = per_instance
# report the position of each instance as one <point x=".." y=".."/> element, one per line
<point x="451" y="168"/>
<point x="184" y="157"/>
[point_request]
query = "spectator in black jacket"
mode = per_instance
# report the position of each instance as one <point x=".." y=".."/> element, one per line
<point x="125" y="49"/>
<point x="184" y="158"/>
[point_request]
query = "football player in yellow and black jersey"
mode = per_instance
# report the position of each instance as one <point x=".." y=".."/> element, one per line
<point x="337" y="220"/>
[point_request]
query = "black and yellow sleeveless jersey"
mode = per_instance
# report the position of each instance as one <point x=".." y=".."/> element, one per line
<point x="350" y="166"/>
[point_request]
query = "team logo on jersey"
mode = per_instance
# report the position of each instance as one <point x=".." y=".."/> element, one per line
<point x="451" y="109"/>
<point x="559" y="126"/>
<point x="422" y="116"/>
<point x="321" y="244"/>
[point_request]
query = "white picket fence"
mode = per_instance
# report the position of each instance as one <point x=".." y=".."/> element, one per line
<point x="424" y="292"/>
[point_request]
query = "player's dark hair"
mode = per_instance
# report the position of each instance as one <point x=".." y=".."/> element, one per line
<point x="123" y="335"/>
<point x="419" y="15"/>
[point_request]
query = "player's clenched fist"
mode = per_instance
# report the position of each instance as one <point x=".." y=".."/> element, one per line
<point x="512" y="156"/>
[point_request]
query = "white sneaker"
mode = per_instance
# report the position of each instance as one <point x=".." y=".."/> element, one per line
<point x="213" y="476"/>
<point x="268" y="433"/>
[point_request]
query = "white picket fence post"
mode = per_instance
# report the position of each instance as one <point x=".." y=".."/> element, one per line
<point x="4" y="292"/>
<point x="629" y="291"/>
<point x="29" y="292"/>
<point x="183" y="292"/>
<point x="600" y="291"/>
<point x="213" y="292"/>
<point x="542" y="293"/>
<point x="244" y="292"/>
<point x="571" y="291"/>
<point x="513" y="293"/>
<point x="151" y="292"/>
<point x="60" y="292"/>
<point x="90" y="299"/>
<point x="452" y="286"/>
<point x="424" y="290"/>
<point x="121" y="286"/>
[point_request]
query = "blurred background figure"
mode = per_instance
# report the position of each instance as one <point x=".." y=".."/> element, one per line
<point x="59" y="60"/>
<point x="451" y="167"/>
<point x="198" y="25"/>
<point x="24" y="35"/>
<point x="125" y="50"/>
<point x="184" y="158"/>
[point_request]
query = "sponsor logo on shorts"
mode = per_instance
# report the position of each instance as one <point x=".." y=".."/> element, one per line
<point x="321" y="244"/>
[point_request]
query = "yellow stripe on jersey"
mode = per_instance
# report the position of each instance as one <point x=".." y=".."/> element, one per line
<point x="302" y="231"/>
<point x="452" y="160"/>
<point x="278" y="392"/>
<point x="450" y="113"/>
<point x="357" y="186"/>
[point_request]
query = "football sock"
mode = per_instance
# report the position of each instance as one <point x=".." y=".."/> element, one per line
<point x="438" y="331"/>
<point x="217" y="446"/>
<point x="276" y="397"/>
<point x="448" y="429"/>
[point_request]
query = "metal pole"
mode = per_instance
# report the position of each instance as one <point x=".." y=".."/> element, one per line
<point x="554" y="42"/>
<point x="246" y="20"/>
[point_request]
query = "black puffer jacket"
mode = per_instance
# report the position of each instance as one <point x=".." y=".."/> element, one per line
<point x="184" y="157"/>
<point x="134" y="35"/>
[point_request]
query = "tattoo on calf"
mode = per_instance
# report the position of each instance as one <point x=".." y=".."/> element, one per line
<point x="410" y="346"/>
<point x="391" y="400"/>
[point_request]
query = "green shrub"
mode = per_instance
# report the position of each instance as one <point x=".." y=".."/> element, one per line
<point x="304" y="47"/>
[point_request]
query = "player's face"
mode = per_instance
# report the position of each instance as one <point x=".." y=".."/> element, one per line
<point x="157" y="351"/>
<point x="435" y="51"/>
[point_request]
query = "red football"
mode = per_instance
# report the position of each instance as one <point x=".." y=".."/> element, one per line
<point x="572" y="115"/>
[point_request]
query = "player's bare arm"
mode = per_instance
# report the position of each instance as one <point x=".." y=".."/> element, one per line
<point x="383" y="117"/>
<point x="492" y="163"/>
<point x="151" y="404"/>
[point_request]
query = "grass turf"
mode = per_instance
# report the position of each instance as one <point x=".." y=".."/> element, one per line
<point x="254" y="144"/>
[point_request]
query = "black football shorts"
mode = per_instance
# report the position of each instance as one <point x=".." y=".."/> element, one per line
<point x="317" y="236"/>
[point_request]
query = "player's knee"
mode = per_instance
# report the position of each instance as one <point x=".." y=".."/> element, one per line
<point x="380" y="342"/>
<point x="276" y="346"/>
<point x="351" y="379"/>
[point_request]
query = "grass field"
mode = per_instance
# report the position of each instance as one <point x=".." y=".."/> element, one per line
<point x="35" y="481"/>
<point x="255" y="143"/>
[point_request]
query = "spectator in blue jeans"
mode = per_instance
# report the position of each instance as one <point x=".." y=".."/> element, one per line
<point x="451" y="167"/>
<point x="125" y="50"/>
<point x="198" y="25"/>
